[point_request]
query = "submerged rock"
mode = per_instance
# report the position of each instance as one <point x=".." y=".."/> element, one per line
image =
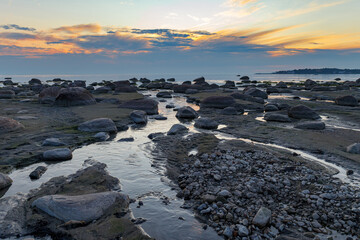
<point x="98" y="125"/>
<point x="86" y="208"/>
<point x="60" y="154"/>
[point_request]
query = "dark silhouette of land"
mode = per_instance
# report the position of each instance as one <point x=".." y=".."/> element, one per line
<point x="320" y="71"/>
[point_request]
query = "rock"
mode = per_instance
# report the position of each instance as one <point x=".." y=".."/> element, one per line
<point x="34" y="81"/>
<point x="98" y="125"/>
<point x="38" y="172"/>
<point x="53" y="142"/>
<point x="206" y="123"/>
<point x="256" y="93"/>
<point x="88" y="207"/>
<point x="102" y="136"/>
<point x="48" y="95"/>
<point x="164" y="94"/>
<point x="125" y="89"/>
<point x="224" y="193"/>
<point x="160" y="118"/>
<point x="281" y="85"/>
<point x="347" y="101"/>
<point x="79" y="83"/>
<point x="176" y="129"/>
<point x="229" y="111"/>
<point x="9" y="125"/>
<point x="271" y="108"/>
<point x="247" y="98"/>
<point x="262" y="217"/>
<point x="74" y="96"/>
<point x="154" y="135"/>
<point x="302" y="112"/>
<point x="59" y="154"/>
<point x="103" y="89"/>
<point x="209" y="198"/>
<point x="311" y="125"/>
<point x="354" y="148"/>
<point x="170" y="106"/>
<point x="199" y="80"/>
<point x="5" y="181"/>
<point x="139" y="117"/>
<point x="276" y="117"/>
<point x="150" y="106"/>
<point x="129" y="139"/>
<point x="181" y="88"/>
<point x="244" y="78"/>
<point x="309" y="84"/>
<point x="242" y="230"/>
<point x="187" y="113"/>
<point x="228" y="232"/>
<point x="7" y="94"/>
<point x="217" y="102"/>
<point x="170" y="79"/>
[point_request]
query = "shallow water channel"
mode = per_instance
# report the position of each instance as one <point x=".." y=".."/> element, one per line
<point x="132" y="162"/>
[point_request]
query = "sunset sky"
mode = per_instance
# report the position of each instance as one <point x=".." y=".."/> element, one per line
<point x="177" y="36"/>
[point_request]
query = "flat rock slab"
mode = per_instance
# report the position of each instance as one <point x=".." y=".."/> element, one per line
<point x="86" y="208"/>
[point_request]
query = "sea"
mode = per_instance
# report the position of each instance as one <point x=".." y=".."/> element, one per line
<point x="212" y="78"/>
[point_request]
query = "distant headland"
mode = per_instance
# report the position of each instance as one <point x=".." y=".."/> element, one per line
<point x="319" y="71"/>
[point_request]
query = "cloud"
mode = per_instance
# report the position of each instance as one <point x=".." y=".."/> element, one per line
<point x="17" y="27"/>
<point x="92" y="28"/>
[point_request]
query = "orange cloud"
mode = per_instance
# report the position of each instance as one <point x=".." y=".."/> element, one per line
<point x="92" y="28"/>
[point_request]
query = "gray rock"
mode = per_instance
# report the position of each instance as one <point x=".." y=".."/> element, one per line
<point x="86" y="208"/>
<point x="262" y="217"/>
<point x="224" y="193"/>
<point x="271" y="108"/>
<point x="164" y="94"/>
<point x="354" y="148"/>
<point x="139" y="117"/>
<point x="347" y="101"/>
<point x="98" y="125"/>
<point x="311" y="125"/>
<point x="102" y="136"/>
<point x="242" y="230"/>
<point x="187" y="113"/>
<point x="302" y="112"/>
<point x="74" y="96"/>
<point x="60" y="154"/>
<point x="276" y="117"/>
<point x="5" y="181"/>
<point x="206" y="123"/>
<point x="176" y="129"/>
<point x="38" y="172"/>
<point x="53" y="142"/>
<point x="129" y="139"/>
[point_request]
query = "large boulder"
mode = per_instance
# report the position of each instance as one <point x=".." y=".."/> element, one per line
<point x="187" y="113"/>
<point x="302" y="112"/>
<point x="87" y="208"/>
<point x="354" y="148"/>
<point x="206" y="123"/>
<point x="7" y="94"/>
<point x="347" y="101"/>
<point x="59" y="154"/>
<point x="98" y="125"/>
<point x="9" y="125"/>
<point x="150" y="106"/>
<point x="139" y="117"/>
<point x="256" y="93"/>
<point x="74" y="96"/>
<point x="311" y="125"/>
<point x="217" y="102"/>
<point x="5" y="181"/>
<point x="176" y="129"/>
<point x="276" y="117"/>
<point x="48" y="95"/>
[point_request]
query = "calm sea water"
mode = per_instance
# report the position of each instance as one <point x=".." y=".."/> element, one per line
<point x="215" y="78"/>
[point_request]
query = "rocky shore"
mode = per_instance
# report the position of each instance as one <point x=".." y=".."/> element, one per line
<point x="241" y="190"/>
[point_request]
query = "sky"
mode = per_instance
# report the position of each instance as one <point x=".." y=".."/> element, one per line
<point x="177" y="36"/>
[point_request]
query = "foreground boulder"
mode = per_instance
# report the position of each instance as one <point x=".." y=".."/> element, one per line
<point x="60" y="154"/>
<point x="74" y="96"/>
<point x="139" y="117"/>
<point x="98" y="125"/>
<point x="311" y="125"/>
<point x="5" y="181"/>
<point x="217" y="102"/>
<point x="9" y="125"/>
<point x="176" y="129"/>
<point x="302" y="112"/>
<point x="48" y="95"/>
<point x="187" y="113"/>
<point x="206" y="123"/>
<point x="347" y="101"/>
<point x="87" y="208"/>
<point x="150" y="106"/>
<point x="354" y="148"/>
